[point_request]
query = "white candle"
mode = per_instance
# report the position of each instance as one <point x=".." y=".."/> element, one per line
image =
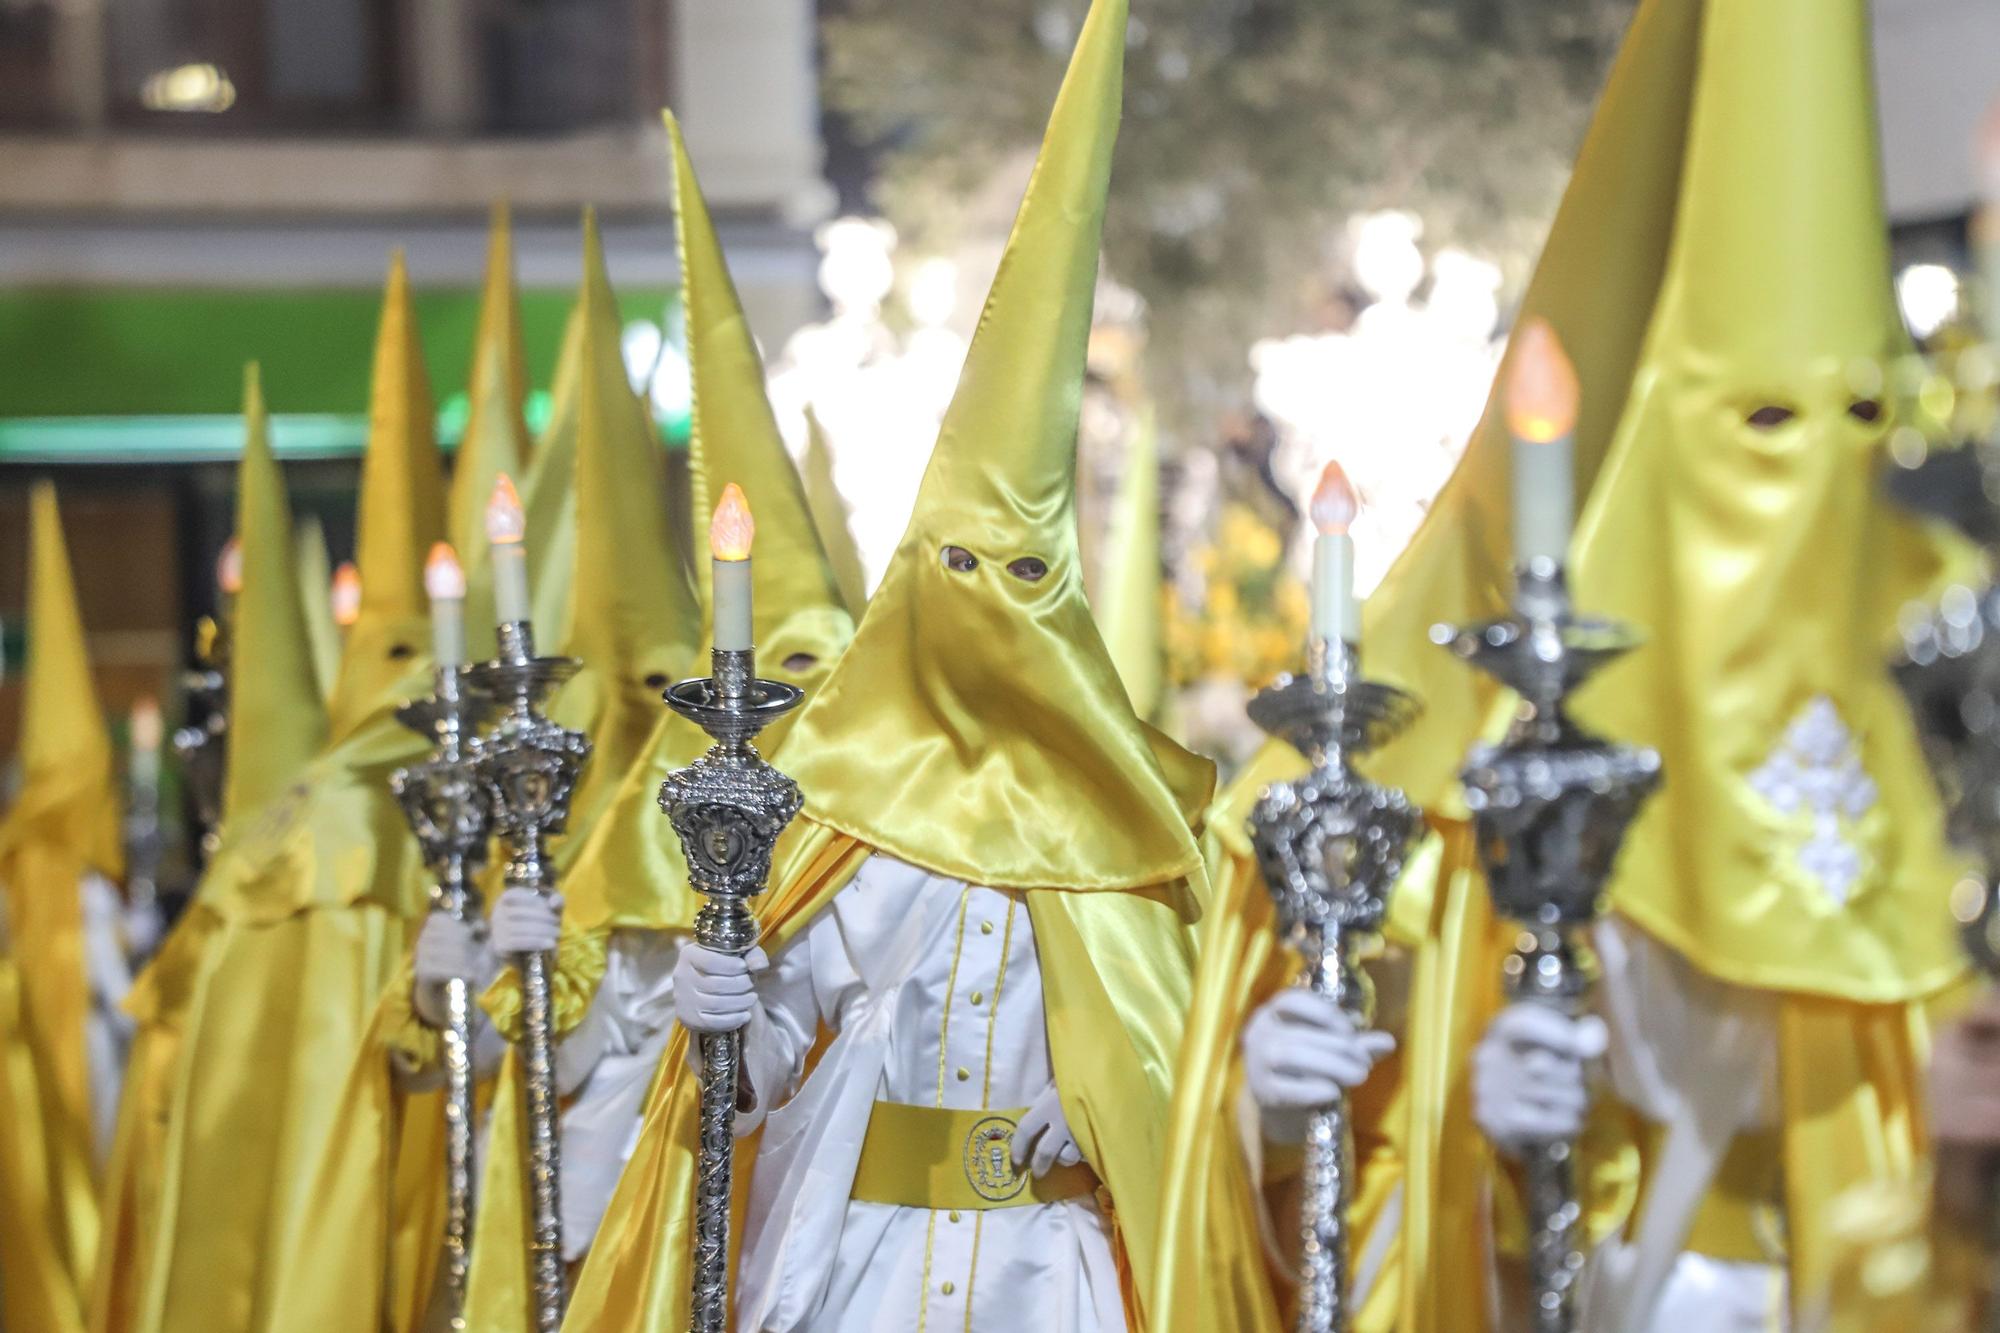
<point x="444" y="580"/>
<point x="729" y="538"/>
<point x="1335" y="614"/>
<point x="506" y="526"/>
<point x="1542" y="395"/>
<point x="345" y="599"/>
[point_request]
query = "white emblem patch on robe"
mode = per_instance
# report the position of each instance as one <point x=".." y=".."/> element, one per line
<point x="1816" y="770"/>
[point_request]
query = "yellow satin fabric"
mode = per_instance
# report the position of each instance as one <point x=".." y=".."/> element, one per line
<point x="1852" y="1079"/>
<point x="1722" y="539"/>
<point x="38" y="1279"/>
<point x="277" y="721"/>
<point x="628" y="872"/>
<point x="549" y="494"/>
<point x="634" y="621"/>
<point x="158" y="1005"/>
<point x="401" y="516"/>
<point x="334" y="837"/>
<point x="830" y="517"/>
<point x="368" y="1257"/>
<point x="1895" y="1269"/>
<point x="277" y="1004"/>
<point x="63" y="825"/>
<point x="1596" y="282"/>
<point x="495" y="440"/>
<point x="976" y="725"/>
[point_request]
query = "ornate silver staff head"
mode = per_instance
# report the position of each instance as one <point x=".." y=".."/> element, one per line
<point x="440" y="796"/>
<point x="729" y="806"/>
<point x="528" y="763"/>
<point x="1331" y="844"/>
<point x="1551" y="802"/>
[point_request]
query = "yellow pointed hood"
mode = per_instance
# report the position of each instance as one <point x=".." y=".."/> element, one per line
<point x="549" y="492"/>
<point x="1597" y="282"/>
<point x="1797" y="842"/>
<point x="830" y="516"/>
<point x="68" y="791"/>
<point x="495" y="439"/>
<point x="277" y="720"/>
<point x="629" y="874"/>
<point x="799" y="608"/>
<point x="634" y="622"/>
<point x="976" y="726"/>
<point x="401" y="515"/>
<point x="1131" y="599"/>
<point x="316" y="597"/>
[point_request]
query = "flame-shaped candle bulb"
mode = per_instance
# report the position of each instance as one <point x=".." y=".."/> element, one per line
<point x="506" y="526"/>
<point x="1542" y="396"/>
<point x="345" y="599"/>
<point x="229" y="567"/>
<point x="729" y="539"/>
<point x="444" y="580"/>
<point x="1335" y="615"/>
<point x="148" y="732"/>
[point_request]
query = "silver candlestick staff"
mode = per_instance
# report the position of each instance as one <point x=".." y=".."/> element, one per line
<point x="1331" y="845"/>
<point x="1550" y="805"/>
<point x="528" y="766"/>
<point x="202" y="746"/>
<point x="728" y="808"/>
<point x="448" y="811"/>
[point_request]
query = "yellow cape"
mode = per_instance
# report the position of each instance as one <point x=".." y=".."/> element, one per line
<point x="313" y="894"/>
<point x="64" y="825"/>
<point x="990" y="706"/>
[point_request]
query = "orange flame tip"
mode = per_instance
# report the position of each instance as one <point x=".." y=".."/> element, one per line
<point x="506" y="521"/>
<point x="732" y="532"/>
<point x="346" y="595"/>
<point x="443" y="576"/>
<point x="229" y="567"/>
<point x="1334" y="503"/>
<point x="1542" y="389"/>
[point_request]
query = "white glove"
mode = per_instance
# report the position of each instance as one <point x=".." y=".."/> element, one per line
<point x="449" y="949"/>
<point x="1300" y="1052"/>
<point x="526" y="922"/>
<point x="716" y="992"/>
<point x="1529" y="1082"/>
<point x="1042" y="1139"/>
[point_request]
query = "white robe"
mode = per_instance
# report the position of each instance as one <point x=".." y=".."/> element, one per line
<point x="602" y="1069"/>
<point x="1699" y="1056"/>
<point x="932" y="990"/>
<point x="107" y="1029"/>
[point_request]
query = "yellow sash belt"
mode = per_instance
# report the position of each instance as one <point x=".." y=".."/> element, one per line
<point x="1742" y="1218"/>
<point x="932" y="1157"/>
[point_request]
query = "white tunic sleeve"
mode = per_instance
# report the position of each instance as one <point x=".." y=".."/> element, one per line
<point x="604" y="1068"/>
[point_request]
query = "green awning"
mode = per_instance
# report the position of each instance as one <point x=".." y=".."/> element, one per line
<point x="122" y="375"/>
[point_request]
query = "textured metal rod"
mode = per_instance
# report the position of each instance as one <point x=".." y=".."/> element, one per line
<point x="458" y="1114"/>
<point x="725" y="925"/>
<point x="1551" y="973"/>
<point x="721" y="1063"/>
<point x="728" y="808"/>
<point x="1325" y="1291"/>
<point x="544" y="1160"/>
